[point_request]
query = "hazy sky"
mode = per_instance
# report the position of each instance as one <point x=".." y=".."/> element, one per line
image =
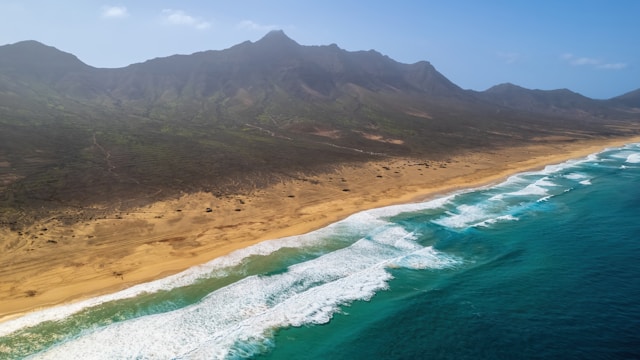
<point x="589" y="46"/>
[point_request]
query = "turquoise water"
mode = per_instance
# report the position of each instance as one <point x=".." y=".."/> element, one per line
<point x="544" y="265"/>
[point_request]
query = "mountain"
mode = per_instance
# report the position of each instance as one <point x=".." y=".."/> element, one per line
<point x="514" y="96"/>
<point x="226" y="120"/>
<point x="36" y="60"/>
<point x="27" y="66"/>
<point x="316" y="71"/>
<point x="630" y="99"/>
<point x="563" y="102"/>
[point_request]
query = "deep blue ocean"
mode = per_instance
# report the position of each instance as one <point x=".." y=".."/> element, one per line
<point x="543" y="265"/>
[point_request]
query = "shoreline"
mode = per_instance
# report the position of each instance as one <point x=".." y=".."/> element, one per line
<point x="63" y="264"/>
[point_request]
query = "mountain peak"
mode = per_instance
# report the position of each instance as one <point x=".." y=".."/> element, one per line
<point x="31" y="53"/>
<point x="277" y="37"/>
<point x="31" y="47"/>
<point x="29" y="43"/>
<point x="504" y="87"/>
<point x="276" y="34"/>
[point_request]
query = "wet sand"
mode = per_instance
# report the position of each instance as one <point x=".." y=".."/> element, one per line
<point x="52" y="263"/>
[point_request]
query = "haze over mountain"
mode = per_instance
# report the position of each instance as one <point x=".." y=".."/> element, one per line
<point x="227" y="120"/>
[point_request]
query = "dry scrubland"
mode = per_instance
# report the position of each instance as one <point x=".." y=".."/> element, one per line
<point x="50" y="263"/>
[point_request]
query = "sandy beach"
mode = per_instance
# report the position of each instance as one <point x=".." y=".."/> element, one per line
<point x="51" y="263"/>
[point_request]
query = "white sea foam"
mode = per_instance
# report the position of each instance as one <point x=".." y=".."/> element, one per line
<point x="250" y="309"/>
<point x="546" y="182"/>
<point x="514" y="181"/>
<point x="489" y="222"/>
<point x="626" y="154"/>
<point x="524" y="185"/>
<point x="463" y="217"/>
<point x="556" y="168"/>
<point x="496" y="208"/>
<point x="545" y="198"/>
<point x="575" y="176"/>
<point x="425" y="258"/>
<point x="531" y="189"/>
<point x="633" y="158"/>
<point x="389" y="211"/>
<point x="528" y="187"/>
<point x="582" y="179"/>
<point x="214" y="268"/>
<point x="355" y="224"/>
<point x="240" y="313"/>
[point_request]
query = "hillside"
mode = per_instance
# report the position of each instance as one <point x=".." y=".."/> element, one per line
<point x="224" y="121"/>
<point x="629" y="100"/>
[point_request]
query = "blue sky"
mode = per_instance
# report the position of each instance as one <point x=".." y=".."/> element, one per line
<point x="589" y="46"/>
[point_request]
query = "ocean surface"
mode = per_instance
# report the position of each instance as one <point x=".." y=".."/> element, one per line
<point x="543" y="265"/>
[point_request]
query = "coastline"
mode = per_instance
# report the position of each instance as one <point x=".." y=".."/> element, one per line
<point x="64" y="264"/>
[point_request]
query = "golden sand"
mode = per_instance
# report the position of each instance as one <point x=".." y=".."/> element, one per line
<point x="52" y="263"/>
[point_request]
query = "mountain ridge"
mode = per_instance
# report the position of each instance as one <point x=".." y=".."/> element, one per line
<point x="252" y="114"/>
<point x="274" y="37"/>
